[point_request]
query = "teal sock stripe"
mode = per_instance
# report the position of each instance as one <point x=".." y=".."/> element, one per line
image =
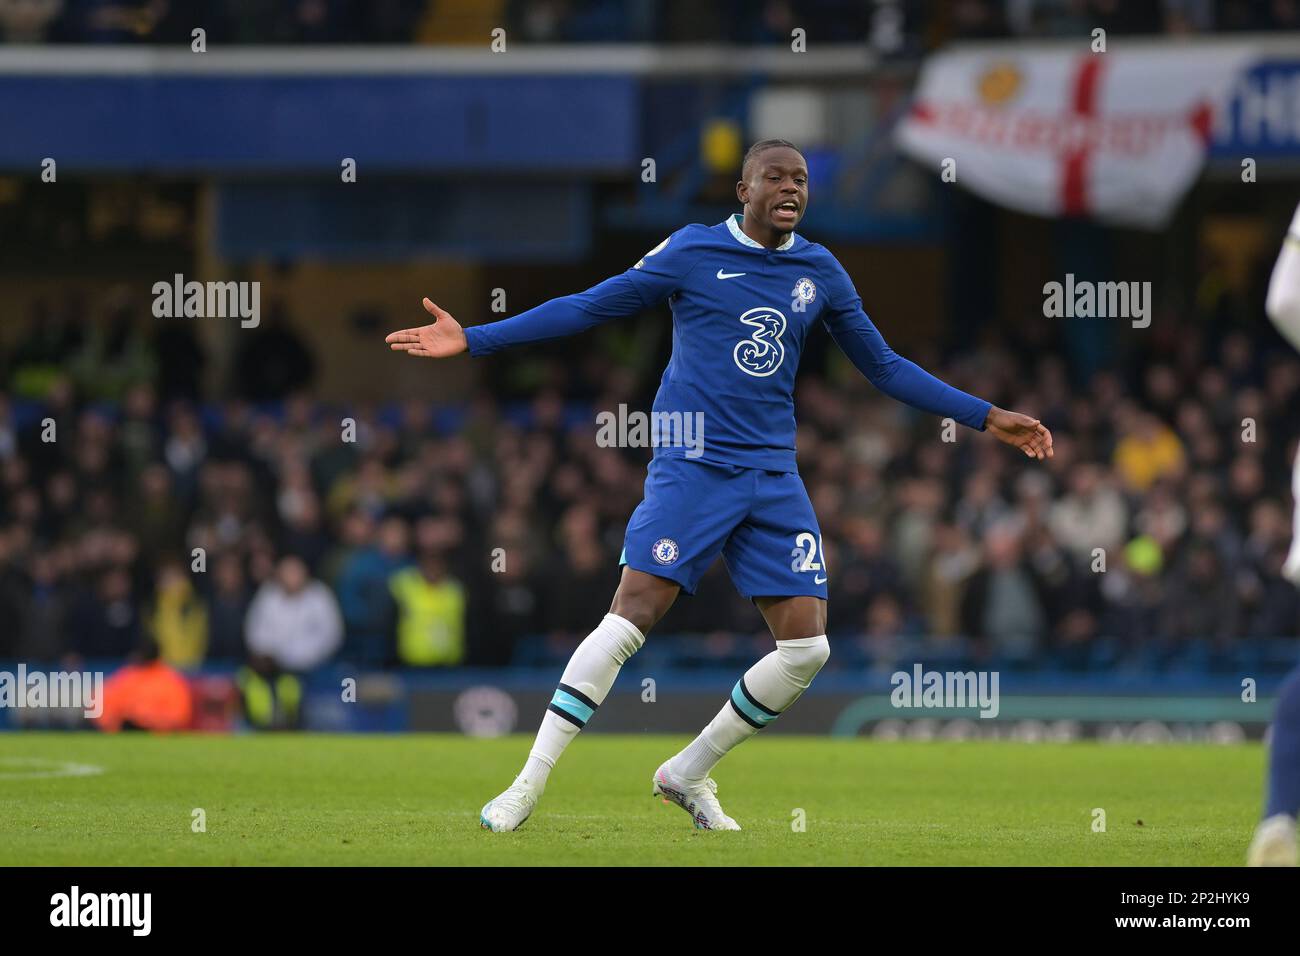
<point x="748" y="708"/>
<point x="572" y="705"/>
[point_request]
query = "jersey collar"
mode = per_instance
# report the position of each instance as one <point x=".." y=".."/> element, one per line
<point x="733" y="223"/>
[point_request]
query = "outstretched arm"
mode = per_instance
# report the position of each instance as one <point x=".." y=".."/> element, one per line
<point x="554" y="319"/>
<point x="907" y="382"/>
<point x="646" y="284"/>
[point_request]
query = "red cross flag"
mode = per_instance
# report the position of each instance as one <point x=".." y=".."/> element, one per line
<point x="1117" y="136"/>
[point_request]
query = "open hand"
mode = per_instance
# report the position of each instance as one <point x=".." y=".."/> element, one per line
<point x="443" y="338"/>
<point x="1027" y="434"/>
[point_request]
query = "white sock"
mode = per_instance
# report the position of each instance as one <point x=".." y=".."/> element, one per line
<point x="586" y="680"/>
<point x="766" y="689"/>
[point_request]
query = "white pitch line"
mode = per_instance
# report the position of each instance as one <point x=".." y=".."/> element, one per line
<point x="43" y="768"/>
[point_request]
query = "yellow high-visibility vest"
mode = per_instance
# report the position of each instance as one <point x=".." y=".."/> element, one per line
<point x="430" y="619"/>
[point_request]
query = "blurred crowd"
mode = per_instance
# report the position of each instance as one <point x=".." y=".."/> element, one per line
<point x="294" y="533"/>
<point x="892" y="26"/>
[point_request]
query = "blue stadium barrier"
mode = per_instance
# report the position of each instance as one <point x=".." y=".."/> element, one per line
<point x="252" y="123"/>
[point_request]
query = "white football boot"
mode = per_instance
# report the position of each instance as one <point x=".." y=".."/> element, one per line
<point x="1274" y="843"/>
<point x="699" y="800"/>
<point x="508" y="811"/>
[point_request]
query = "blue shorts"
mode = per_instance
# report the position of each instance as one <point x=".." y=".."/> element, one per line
<point x="761" y="521"/>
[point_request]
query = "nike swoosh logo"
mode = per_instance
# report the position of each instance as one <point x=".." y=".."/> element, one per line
<point x="817" y="580"/>
<point x="729" y="275"/>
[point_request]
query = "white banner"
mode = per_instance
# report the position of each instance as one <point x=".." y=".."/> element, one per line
<point x="1117" y="136"/>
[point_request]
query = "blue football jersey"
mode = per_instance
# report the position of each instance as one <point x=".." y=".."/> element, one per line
<point x="741" y="314"/>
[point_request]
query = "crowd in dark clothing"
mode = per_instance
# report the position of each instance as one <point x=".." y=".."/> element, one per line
<point x="449" y="534"/>
<point x="894" y="27"/>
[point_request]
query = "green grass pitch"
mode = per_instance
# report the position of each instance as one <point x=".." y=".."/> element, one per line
<point x="414" y="800"/>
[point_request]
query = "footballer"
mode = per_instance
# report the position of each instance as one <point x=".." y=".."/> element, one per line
<point x="1275" y="841"/>
<point x="744" y="294"/>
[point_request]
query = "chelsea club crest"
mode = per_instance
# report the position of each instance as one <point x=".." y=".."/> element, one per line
<point x="805" y="291"/>
<point x="665" y="551"/>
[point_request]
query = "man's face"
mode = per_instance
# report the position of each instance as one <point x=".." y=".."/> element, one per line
<point x="776" y="188"/>
<point x="292" y="573"/>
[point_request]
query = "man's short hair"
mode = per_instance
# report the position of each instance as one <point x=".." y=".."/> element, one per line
<point x="761" y="146"/>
